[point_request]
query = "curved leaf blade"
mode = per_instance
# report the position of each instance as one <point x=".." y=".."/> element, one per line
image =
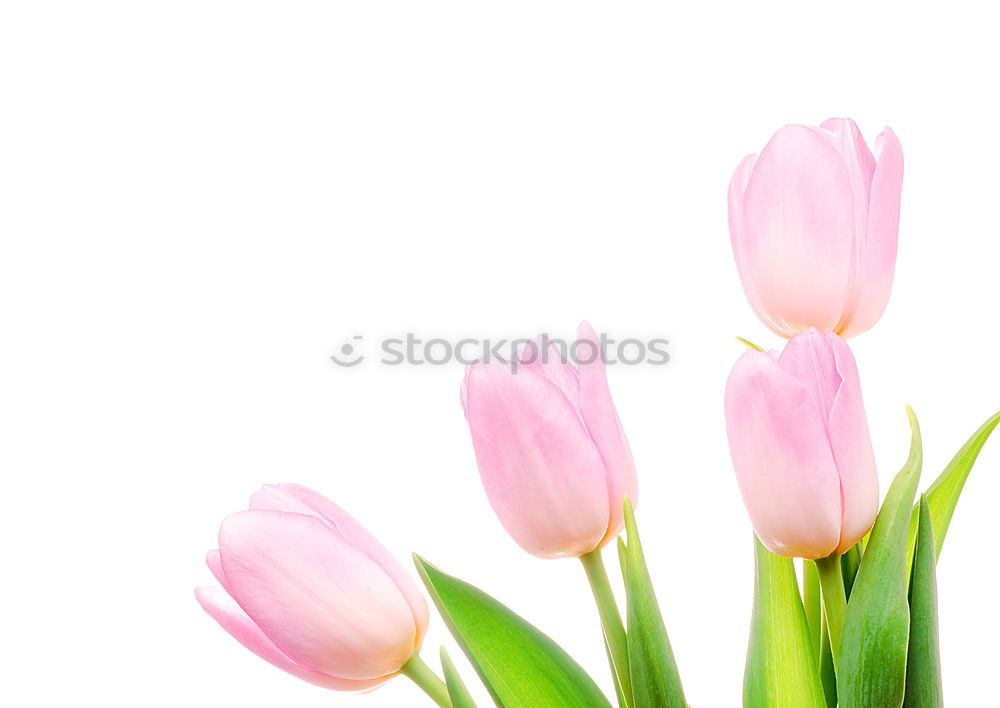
<point x="782" y="665"/>
<point x="871" y="667"/>
<point x="519" y="665"/>
<point x="457" y="692"/>
<point x="943" y="494"/>
<point x="923" y="663"/>
<point x="655" y="679"/>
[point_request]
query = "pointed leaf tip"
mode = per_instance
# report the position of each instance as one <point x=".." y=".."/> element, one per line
<point x="748" y="343"/>
<point x="871" y="667"/>
<point x="923" y="663"/>
<point x="457" y="692"/>
<point x="943" y="494"/>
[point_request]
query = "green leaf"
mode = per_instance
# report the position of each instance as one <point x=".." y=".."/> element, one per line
<point x="849" y="564"/>
<point x="782" y="665"/>
<point x="457" y="692"/>
<point x="818" y="633"/>
<point x="520" y="666"/>
<point x="827" y="671"/>
<point x="748" y="343"/>
<point x="623" y="564"/>
<point x="623" y="559"/>
<point x="923" y="664"/>
<point x="943" y="494"/>
<point x="871" y="666"/>
<point x="655" y="679"/>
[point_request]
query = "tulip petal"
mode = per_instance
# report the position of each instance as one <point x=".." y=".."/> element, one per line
<point x="860" y="168"/>
<point x="883" y="233"/>
<point x="224" y="610"/>
<point x="860" y="163"/>
<point x="852" y="450"/>
<point x="798" y="232"/>
<point x="214" y="563"/>
<point x="319" y="599"/>
<point x="809" y="357"/>
<point x="545" y="358"/>
<point x="783" y="462"/>
<point x="737" y="237"/>
<point x="302" y="500"/>
<point x="605" y="429"/>
<point x="542" y="473"/>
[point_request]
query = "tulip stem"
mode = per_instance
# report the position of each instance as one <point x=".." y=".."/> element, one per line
<point x="611" y="621"/>
<point x="421" y="674"/>
<point x="831" y="580"/>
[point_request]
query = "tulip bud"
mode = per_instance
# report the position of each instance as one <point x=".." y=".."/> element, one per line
<point x="551" y="451"/>
<point x="305" y="587"/>
<point x="813" y="222"/>
<point x="800" y="446"/>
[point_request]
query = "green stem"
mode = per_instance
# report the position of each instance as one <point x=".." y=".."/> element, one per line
<point x="812" y="601"/>
<point x="611" y="621"/>
<point x="421" y="674"/>
<point x="831" y="579"/>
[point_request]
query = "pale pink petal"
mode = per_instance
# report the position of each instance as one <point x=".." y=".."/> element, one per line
<point x="798" y="232"/>
<point x="737" y="237"/>
<point x="214" y="563"/>
<point x="852" y="449"/>
<point x="860" y="163"/>
<point x="545" y="358"/>
<point x="783" y="462"/>
<point x="605" y="429"/>
<point x="810" y="359"/>
<point x="463" y="393"/>
<point x="883" y="233"/>
<point x="860" y="168"/>
<point x="319" y="599"/>
<point x="224" y="610"/>
<point x="542" y="473"/>
<point x="302" y="500"/>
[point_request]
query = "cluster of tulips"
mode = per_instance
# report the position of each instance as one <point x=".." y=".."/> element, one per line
<point x="813" y="222"/>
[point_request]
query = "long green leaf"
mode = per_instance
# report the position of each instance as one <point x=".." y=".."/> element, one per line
<point x="457" y="692"/>
<point x="782" y="665"/>
<point x="655" y="679"/>
<point x="923" y="664"/>
<point x="943" y="494"/>
<point x="827" y="672"/>
<point x="619" y="693"/>
<point x="520" y="666"/>
<point x="871" y="666"/>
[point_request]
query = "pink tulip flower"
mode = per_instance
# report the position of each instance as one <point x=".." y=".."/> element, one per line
<point x="551" y="451"/>
<point x="813" y="221"/>
<point x="800" y="446"/>
<point x="305" y="587"/>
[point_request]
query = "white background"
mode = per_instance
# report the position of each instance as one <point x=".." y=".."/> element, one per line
<point x="201" y="201"/>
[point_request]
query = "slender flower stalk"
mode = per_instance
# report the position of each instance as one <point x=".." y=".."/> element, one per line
<point x="831" y="580"/>
<point x="611" y="621"/>
<point x="417" y="670"/>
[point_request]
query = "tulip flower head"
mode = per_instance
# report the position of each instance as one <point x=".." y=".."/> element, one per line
<point x="800" y="445"/>
<point x="307" y="588"/>
<point x="551" y="451"/>
<point x="813" y="222"/>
